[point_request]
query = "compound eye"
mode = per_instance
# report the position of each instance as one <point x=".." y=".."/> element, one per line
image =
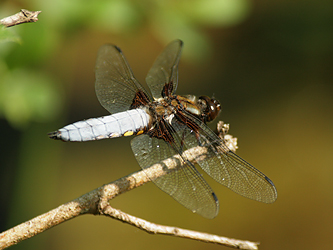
<point x="210" y="108"/>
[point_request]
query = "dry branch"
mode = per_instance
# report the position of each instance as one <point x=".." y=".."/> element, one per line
<point x="176" y="231"/>
<point x="24" y="16"/>
<point x="97" y="202"/>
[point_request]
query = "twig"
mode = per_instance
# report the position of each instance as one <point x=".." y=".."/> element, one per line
<point x="97" y="202"/>
<point x="24" y="16"/>
<point x="175" y="231"/>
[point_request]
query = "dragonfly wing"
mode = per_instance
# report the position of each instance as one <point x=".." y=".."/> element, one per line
<point x="226" y="167"/>
<point x="180" y="179"/>
<point x="165" y="69"/>
<point x="115" y="84"/>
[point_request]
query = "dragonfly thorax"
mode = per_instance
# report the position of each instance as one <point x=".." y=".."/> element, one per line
<point x="204" y="107"/>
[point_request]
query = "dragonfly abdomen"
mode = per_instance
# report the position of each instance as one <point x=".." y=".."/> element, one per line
<point x="125" y="123"/>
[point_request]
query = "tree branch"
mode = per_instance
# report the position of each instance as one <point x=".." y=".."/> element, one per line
<point x="97" y="202"/>
<point x="175" y="231"/>
<point x="24" y="16"/>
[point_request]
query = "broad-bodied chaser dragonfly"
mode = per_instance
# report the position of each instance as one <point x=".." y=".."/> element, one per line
<point x="166" y="125"/>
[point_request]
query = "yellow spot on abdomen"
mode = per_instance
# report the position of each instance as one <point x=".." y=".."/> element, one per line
<point x="128" y="133"/>
<point x="139" y="132"/>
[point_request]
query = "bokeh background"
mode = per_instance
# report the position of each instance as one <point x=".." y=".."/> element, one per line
<point x="268" y="62"/>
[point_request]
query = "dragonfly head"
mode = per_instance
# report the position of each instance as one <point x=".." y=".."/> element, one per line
<point x="210" y="108"/>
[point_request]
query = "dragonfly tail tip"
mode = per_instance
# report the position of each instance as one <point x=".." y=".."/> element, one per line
<point x="55" y="135"/>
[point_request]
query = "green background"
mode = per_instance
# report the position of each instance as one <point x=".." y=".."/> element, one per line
<point x="268" y="62"/>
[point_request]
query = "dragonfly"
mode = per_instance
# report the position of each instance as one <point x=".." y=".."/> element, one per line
<point x="167" y="126"/>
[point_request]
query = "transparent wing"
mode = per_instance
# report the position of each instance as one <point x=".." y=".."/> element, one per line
<point x="181" y="180"/>
<point x="115" y="83"/>
<point x="226" y="167"/>
<point x="165" y="69"/>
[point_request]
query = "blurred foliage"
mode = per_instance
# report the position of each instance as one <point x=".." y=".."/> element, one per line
<point x="6" y="35"/>
<point x="28" y="94"/>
